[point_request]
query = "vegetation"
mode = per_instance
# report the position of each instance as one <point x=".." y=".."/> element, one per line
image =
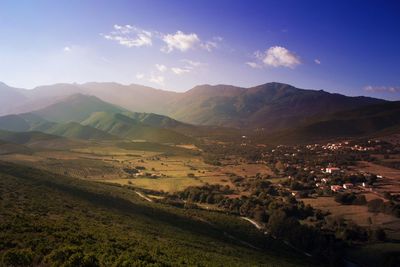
<point x="60" y="221"/>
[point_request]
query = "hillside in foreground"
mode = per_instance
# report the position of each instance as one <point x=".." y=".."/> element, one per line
<point x="59" y="221"/>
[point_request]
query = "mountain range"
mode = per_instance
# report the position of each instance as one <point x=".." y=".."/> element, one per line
<point x="280" y="112"/>
<point x="272" y="105"/>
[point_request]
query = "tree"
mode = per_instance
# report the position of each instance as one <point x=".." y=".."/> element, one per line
<point x="376" y="205"/>
<point x="345" y="198"/>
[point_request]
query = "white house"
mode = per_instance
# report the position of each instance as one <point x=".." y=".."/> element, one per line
<point x="348" y="186"/>
<point x="332" y="169"/>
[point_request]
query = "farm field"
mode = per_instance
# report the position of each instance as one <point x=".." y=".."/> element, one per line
<point x="390" y="181"/>
<point x="171" y="168"/>
<point x="358" y="214"/>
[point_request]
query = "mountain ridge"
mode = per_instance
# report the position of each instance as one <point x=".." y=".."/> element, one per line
<point x="273" y="106"/>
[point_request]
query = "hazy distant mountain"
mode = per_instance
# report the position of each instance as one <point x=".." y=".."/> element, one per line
<point x="10" y="97"/>
<point x="366" y="121"/>
<point x="133" y="97"/>
<point x="76" y="108"/>
<point x="137" y="98"/>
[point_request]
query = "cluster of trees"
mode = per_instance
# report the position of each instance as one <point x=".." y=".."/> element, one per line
<point x="389" y="207"/>
<point x="210" y="194"/>
<point x="350" y="199"/>
<point x="375" y="205"/>
<point x="351" y="232"/>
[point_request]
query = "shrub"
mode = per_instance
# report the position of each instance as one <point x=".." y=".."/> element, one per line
<point x="345" y="198"/>
<point x="17" y="257"/>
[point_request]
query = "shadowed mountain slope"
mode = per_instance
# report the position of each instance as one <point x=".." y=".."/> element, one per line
<point x="272" y="106"/>
<point x="366" y="121"/>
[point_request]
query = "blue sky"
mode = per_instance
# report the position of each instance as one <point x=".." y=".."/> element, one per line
<point x="349" y="47"/>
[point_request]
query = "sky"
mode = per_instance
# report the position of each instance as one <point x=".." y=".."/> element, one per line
<point x="348" y="47"/>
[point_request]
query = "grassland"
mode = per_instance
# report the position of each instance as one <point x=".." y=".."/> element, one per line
<point x="175" y="167"/>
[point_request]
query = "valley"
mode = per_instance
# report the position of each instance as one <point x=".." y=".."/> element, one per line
<point x="316" y="194"/>
<point x="199" y="133"/>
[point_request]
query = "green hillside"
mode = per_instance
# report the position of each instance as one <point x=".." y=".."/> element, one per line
<point x="32" y="122"/>
<point x="13" y="123"/>
<point x="156" y="120"/>
<point x="78" y="131"/>
<point x="125" y="127"/>
<point x="81" y="223"/>
<point x="76" y="108"/>
<point x="26" y="137"/>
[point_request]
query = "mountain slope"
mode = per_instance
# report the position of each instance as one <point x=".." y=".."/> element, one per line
<point x="365" y="121"/>
<point x="14" y="123"/>
<point x="78" y="131"/>
<point x="156" y="120"/>
<point x="10" y="97"/>
<point x="32" y="122"/>
<point x="272" y="106"/>
<point x="23" y="138"/>
<point x="84" y="223"/>
<point x="76" y="108"/>
<point x="126" y="127"/>
<point x="101" y="121"/>
<point x="133" y="97"/>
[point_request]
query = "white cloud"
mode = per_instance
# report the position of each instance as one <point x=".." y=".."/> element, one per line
<point x="317" y="61"/>
<point x="139" y="76"/>
<point x="278" y="56"/>
<point x="157" y="79"/>
<point x="161" y="67"/>
<point x="254" y="65"/>
<point x="179" y="71"/>
<point x="275" y="56"/>
<point x="179" y="41"/>
<point x="382" y="89"/>
<point x="259" y="55"/>
<point x="209" y="45"/>
<point x="193" y="63"/>
<point x="130" y="36"/>
<point x="67" y="49"/>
